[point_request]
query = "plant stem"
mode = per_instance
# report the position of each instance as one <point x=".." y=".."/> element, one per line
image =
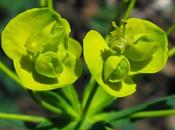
<point x="87" y="98"/>
<point x="151" y="114"/>
<point x="171" y="52"/>
<point x="9" y="73"/>
<point x="63" y="104"/>
<point x="171" y="29"/>
<point x="29" y="118"/>
<point x="119" y="13"/>
<point x="46" y="3"/>
<point x="129" y="9"/>
<point x="143" y="114"/>
<point x="42" y="3"/>
<point x="88" y="90"/>
<point x="50" y="107"/>
<point x="44" y="104"/>
<point x="50" y="4"/>
<point x="72" y="96"/>
<point x="90" y="98"/>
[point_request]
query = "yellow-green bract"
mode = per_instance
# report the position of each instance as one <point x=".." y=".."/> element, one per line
<point x="137" y="46"/>
<point x="44" y="55"/>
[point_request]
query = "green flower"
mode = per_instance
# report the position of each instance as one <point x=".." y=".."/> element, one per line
<point x="44" y="55"/>
<point x="137" y="46"/>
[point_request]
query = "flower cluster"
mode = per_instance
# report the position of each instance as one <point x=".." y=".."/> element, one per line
<point x="44" y="55"/>
<point x="137" y="46"/>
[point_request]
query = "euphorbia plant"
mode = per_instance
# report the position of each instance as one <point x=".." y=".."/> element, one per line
<point x="44" y="55"/>
<point x="137" y="46"/>
<point x="47" y="62"/>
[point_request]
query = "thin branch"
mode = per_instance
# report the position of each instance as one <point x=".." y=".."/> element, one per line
<point x="43" y="3"/>
<point x="153" y="114"/>
<point x="171" y="52"/>
<point x="9" y="73"/>
<point x="29" y="118"/>
<point x="129" y="9"/>
<point x="44" y="104"/>
<point x="50" y="4"/>
<point x="171" y="29"/>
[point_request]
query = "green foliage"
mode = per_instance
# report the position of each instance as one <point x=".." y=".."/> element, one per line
<point x="137" y="46"/>
<point x="124" y="117"/>
<point x="44" y="55"/>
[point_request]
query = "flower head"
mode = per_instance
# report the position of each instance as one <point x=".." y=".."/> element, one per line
<point x="137" y="46"/>
<point x="44" y="55"/>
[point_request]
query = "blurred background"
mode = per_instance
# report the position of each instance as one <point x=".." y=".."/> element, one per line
<point x="84" y="15"/>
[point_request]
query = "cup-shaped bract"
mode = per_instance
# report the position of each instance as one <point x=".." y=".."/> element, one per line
<point x="99" y="59"/>
<point x="147" y="52"/>
<point x="137" y="46"/>
<point x="44" y="55"/>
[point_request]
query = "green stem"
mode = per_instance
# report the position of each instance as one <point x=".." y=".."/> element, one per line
<point x="43" y="3"/>
<point x="88" y="90"/>
<point x="119" y="13"/>
<point x="171" y="52"/>
<point x="97" y="101"/>
<point x="87" y="98"/>
<point x="50" y="107"/>
<point x="50" y="4"/>
<point x="65" y="105"/>
<point x="171" y="29"/>
<point x="72" y="96"/>
<point x="106" y="117"/>
<point x="46" y="3"/>
<point x="29" y="118"/>
<point x="9" y="73"/>
<point x="151" y="114"/>
<point x="44" y="104"/>
<point x="75" y="99"/>
<point x="129" y="9"/>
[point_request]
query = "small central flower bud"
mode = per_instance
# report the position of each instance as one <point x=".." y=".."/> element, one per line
<point x="117" y="42"/>
<point x="48" y="65"/>
<point x="116" y="68"/>
<point x="33" y="46"/>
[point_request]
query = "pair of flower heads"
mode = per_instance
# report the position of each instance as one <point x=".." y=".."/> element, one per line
<point x="45" y="57"/>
